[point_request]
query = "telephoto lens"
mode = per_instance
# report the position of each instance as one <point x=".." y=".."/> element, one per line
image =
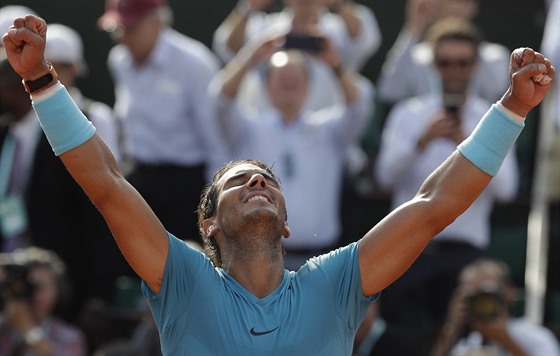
<point x="485" y="304"/>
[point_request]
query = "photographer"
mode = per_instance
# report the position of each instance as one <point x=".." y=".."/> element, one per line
<point x="478" y="320"/>
<point x="31" y="285"/>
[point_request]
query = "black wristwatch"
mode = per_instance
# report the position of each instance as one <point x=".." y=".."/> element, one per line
<point x="39" y="83"/>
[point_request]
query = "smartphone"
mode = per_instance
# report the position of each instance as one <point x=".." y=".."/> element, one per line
<point x="304" y="42"/>
<point x="452" y="103"/>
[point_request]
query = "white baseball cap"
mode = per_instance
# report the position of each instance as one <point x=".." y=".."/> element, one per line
<point x="9" y="13"/>
<point x="64" y="45"/>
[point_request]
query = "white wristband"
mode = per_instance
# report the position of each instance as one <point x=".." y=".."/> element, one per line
<point x="510" y="113"/>
<point x="43" y="94"/>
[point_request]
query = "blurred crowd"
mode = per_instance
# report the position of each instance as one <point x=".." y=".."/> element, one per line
<point x="281" y="82"/>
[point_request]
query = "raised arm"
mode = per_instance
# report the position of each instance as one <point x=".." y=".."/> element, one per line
<point x="251" y="54"/>
<point x="138" y="232"/>
<point x="389" y="249"/>
<point x="229" y="37"/>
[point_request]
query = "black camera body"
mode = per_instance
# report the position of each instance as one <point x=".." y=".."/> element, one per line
<point x="486" y="303"/>
<point x="15" y="283"/>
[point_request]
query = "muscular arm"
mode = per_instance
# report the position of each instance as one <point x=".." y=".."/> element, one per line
<point x="389" y="249"/>
<point x="139" y="234"/>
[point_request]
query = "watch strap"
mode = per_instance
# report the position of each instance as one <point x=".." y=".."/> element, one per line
<point x="32" y="86"/>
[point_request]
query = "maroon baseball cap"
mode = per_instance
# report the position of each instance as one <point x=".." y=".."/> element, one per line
<point x="126" y="13"/>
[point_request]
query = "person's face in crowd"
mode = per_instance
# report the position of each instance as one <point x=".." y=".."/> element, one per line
<point x="455" y="61"/>
<point x="249" y="200"/>
<point x="46" y="292"/>
<point x="466" y="9"/>
<point x="140" y="38"/>
<point x="287" y="82"/>
<point x="473" y="278"/>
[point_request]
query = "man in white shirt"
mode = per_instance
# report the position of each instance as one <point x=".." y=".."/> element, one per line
<point x="161" y="78"/>
<point x="409" y="68"/>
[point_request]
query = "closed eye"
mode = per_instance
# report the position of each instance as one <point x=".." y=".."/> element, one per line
<point x="243" y="177"/>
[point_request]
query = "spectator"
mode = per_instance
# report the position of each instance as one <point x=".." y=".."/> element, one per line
<point x="32" y="284"/>
<point x="353" y="30"/>
<point x="479" y="323"/>
<point x="409" y="68"/>
<point x="419" y="135"/>
<point x="161" y="77"/>
<point x="65" y="50"/>
<point x="306" y="148"/>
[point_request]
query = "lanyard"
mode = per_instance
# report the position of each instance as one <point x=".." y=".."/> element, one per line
<point x="6" y="161"/>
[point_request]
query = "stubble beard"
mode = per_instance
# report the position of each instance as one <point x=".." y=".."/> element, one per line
<point x="255" y="229"/>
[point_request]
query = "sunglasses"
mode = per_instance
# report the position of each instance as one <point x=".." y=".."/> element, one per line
<point x="455" y="63"/>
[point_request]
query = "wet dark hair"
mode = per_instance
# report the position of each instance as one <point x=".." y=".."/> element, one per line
<point x="209" y="202"/>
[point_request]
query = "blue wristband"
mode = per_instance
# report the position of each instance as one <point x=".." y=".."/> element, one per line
<point x="65" y="126"/>
<point x="491" y="140"/>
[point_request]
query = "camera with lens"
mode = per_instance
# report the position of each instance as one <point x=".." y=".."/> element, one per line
<point x="485" y="304"/>
<point x="15" y="280"/>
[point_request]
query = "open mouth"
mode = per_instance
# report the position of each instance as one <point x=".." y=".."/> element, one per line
<point x="257" y="198"/>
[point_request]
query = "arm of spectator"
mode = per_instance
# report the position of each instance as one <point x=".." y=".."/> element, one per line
<point x="367" y="40"/>
<point x="234" y="72"/>
<point x="399" y="67"/>
<point x="390" y="247"/>
<point x="419" y="14"/>
<point x="354" y="121"/>
<point x="455" y="322"/>
<point x="347" y="11"/>
<point x="21" y="320"/>
<point x="497" y="331"/>
<point x="346" y="78"/>
<point x="398" y="146"/>
<point x="229" y="37"/>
